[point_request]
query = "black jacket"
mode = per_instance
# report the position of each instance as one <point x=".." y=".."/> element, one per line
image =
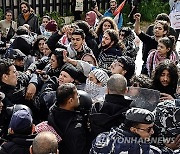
<point x="109" y="114"/>
<point x="53" y="42"/>
<point x="32" y="22"/>
<point x="69" y="125"/>
<point x="113" y="104"/>
<point x="16" y="95"/>
<point x="149" y="43"/>
<point x="18" y="144"/>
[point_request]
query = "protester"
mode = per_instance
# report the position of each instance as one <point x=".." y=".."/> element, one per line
<point x="27" y="17"/>
<point x="44" y="143"/>
<point x="20" y="130"/>
<point x="8" y="27"/>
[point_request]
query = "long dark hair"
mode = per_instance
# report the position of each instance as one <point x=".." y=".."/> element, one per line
<point x="171" y="67"/>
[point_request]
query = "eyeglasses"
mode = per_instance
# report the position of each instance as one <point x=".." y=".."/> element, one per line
<point x="148" y="130"/>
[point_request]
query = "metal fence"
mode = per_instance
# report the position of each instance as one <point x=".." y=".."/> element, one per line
<point x="64" y="7"/>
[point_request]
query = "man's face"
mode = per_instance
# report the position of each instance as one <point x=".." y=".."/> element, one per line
<point x="159" y="30"/>
<point x="11" y="77"/>
<point x="8" y="16"/>
<point x="113" y="6"/>
<point x="106" y="41"/>
<point x="77" y="42"/>
<point x="117" y="68"/>
<point x="64" y="77"/>
<point x="144" y="130"/>
<point x="165" y="78"/>
<point x="24" y="8"/>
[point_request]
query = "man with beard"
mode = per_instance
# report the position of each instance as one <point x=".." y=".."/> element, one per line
<point x="111" y="10"/>
<point x="26" y="17"/>
<point x="165" y="79"/>
<point x="109" y="48"/>
<point x="67" y="122"/>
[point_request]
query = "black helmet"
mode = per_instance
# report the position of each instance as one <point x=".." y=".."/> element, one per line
<point x="12" y="109"/>
<point x="85" y="101"/>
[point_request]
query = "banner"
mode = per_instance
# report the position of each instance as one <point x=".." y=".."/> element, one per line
<point x="79" y="5"/>
<point x="175" y="20"/>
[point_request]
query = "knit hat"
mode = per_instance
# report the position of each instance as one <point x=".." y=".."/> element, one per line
<point x="92" y="19"/>
<point x="52" y="26"/>
<point x="73" y="72"/>
<point x="101" y="76"/>
<point x="140" y="115"/>
<point x="21" y="120"/>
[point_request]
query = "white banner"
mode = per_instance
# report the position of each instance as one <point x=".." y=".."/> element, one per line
<point x="79" y="5"/>
<point x="175" y="19"/>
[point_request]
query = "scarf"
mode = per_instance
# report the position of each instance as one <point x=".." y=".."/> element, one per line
<point x="95" y="91"/>
<point x="155" y="58"/>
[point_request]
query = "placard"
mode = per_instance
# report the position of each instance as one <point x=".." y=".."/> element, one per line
<point x="175" y="20"/>
<point x="79" y="5"/>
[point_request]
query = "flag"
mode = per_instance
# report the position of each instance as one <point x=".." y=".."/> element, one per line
<point x="120" y="7"/>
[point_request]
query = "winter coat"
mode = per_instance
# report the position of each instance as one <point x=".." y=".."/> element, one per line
<point x="69" y="125"/>
<point x="32" y="21"/>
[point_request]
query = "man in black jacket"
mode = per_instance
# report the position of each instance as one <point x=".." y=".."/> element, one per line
<point x="26" y="17"/>
<point x="19" y="88"/>
<point x="109" y="49"/>
<point x="67" y="122"/>
<point x="110" y="113"/>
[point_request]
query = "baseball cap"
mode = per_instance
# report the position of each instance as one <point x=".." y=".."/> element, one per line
<point x="21" y="120"/>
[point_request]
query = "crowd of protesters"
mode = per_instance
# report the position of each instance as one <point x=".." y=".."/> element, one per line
<point x="74" y="90"/>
